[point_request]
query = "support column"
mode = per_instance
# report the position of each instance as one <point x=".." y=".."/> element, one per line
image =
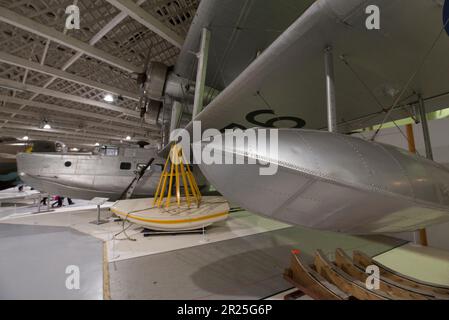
<point x="429" y="154"/>
<point x="203" y="56"/>
<point x="176" y="111"/>
<point x="411" y="139"/>
<point x="330" y="90"/>
<point x="425" y="128"/>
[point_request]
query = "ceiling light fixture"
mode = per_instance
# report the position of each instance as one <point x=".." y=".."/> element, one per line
<point x="45" y="125"/>
<point x="25" y="138"/>
<point x="108" y="98"/>
<point x="128" y="138"/>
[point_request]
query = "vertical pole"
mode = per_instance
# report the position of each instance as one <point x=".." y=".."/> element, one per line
<point x="330" y="90"/>
<point x="203" y="56"/>
<point x="425" y="128"/>
<point x="419" y="237"/>
<point x="429" y="154"/>
<point x="175" y="115"/>
<point x="411" y="139"/>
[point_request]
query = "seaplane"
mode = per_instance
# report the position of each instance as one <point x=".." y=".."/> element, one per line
<point x="106" y="172"/>
<point x="315" y="72"/>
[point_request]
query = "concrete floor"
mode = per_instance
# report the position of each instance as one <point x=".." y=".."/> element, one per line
<point x="242" y="268"/>
<point x="243" y="258"/>
<point x="34" y="260"/>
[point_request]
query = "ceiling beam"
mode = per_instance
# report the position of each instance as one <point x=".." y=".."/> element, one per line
<point x="100" y="34"/>
<point x="68" y="138"/>
<point x="30" y="65"/>
<point x="18" y="133"/>
<point x="32" y="26"/>
<point x="14" y="85"/>
<point x="69" y="128"/>
<point x="61" y="131"/>
<point x="145" y="18"/>
<point x="61" y="120"/>
<point x="97" y="37"/>
<point x="53" y="107"/>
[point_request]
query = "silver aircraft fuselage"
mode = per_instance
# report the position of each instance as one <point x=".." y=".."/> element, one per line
<point x="106" y="173"/>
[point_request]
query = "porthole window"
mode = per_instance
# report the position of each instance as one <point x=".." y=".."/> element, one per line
<point x="68" y="164"/>
<point x="125" y="166"/>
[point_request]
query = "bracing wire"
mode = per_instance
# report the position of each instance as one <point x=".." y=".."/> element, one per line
<point x="368" y="89"/>
<point x="410" y="80"/>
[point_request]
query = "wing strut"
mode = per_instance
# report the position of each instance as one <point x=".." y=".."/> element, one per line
<point x="176" y="114"/>
<point x="330" y="90"/>
<point x="425" y="128"/>
<point x="203" y="57"/>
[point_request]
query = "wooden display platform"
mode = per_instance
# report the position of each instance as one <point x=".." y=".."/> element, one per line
<point x="345" y="279"/>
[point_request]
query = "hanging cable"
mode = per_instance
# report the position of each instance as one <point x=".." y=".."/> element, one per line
<point x="398" y="99"/>
<point x="368" y="89"/>
<point x="268" y="105"/>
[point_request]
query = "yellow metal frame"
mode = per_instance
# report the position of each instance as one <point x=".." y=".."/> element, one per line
<point x="177" y="169"/>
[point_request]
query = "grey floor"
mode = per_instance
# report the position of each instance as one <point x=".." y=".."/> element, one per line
<point x="33" y="262"/>
<point x="243" y="268"/>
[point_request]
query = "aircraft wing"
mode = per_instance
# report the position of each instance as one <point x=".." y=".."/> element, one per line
<point x="285" y="85"/>
<point x="241" y="29"/>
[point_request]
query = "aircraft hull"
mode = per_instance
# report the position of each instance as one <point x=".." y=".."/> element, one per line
<point x="338" y="183"/>
<point x="183" y="218"/>
<point x="88" y="176"/>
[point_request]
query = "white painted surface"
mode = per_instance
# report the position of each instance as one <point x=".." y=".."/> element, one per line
<point x="28" y="208"/>
<point x="239" y="224"/>
<point x="422" y="263"/>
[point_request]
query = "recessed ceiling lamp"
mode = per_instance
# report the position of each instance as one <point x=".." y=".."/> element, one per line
<point x="128" y="138"/>
<point x="25" y="138"/>
<point x="108" y="98"/>
<point x="97" y="144"/>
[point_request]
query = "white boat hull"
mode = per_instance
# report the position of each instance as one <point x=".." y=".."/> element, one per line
<point x="142" y="212"/>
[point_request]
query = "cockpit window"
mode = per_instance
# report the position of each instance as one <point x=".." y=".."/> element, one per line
<point x="109" y="151"/>
<point x="125" y="166"/>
